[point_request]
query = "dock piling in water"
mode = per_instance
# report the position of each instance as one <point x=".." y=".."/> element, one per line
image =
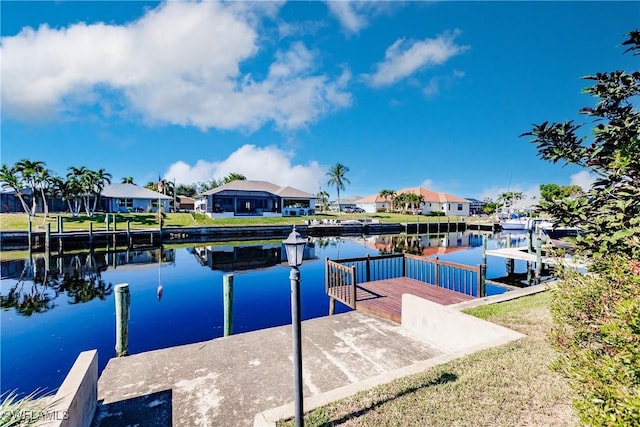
<point x="227" y="291"/>
<point x="123" y="301"/>
<point x="538" y="258"/>
<point x="483" y="277"/>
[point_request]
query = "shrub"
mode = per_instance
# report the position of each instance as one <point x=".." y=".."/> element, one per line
<point x="597" y="332"/>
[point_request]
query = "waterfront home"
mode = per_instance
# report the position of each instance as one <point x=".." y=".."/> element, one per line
<point x="10" y="203"/>
<point x="185" y="204"/>
<point x="476" y="207"/>
<point x="446" y="203"/>
<point x="132" y="198"/>
<point x="374" y="203"/>
<point x="345" y="203"/>
<point x="254" y="198"/>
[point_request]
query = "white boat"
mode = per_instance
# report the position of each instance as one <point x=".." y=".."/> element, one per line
<point x="523" y="223"/>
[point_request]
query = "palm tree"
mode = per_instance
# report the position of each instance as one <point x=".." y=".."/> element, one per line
<point x="99" y="179"/>
<point x="415" y="200"/>
<point x="74" y="189"/>
<point x="128" y="180"/>
<point x="233" y="176"/>
<point x="337" y="178"/>
<point x="323" y="199"/>
<point x="89" y="185"/>
<point x="81" y="179"/>
<point x="402" y="199"/>
<point x="35" y="176"/>
<point x="188" y="190"/>
<point x="43" y="181"/>
<point x="10" y="179"/>
<point x="388" y="195"/>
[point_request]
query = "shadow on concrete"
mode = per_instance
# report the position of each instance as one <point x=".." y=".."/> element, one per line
<point x="444" y="378"/>
<point x="153" y="410"/>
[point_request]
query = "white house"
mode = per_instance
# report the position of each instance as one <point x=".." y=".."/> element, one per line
<point x="374" y="203"/>
<point x="446" y="203"/>
<point x="132" y="198"/>
<point x="254" y="198"/>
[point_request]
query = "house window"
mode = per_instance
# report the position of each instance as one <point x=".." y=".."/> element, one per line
<point x="459" y="206"/>
<point x="125" y="203"/>
<point x="247" y="205"/>
<point x="288" y="203"/>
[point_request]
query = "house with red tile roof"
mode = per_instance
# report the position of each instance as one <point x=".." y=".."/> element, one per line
<point x="446" y="203"/>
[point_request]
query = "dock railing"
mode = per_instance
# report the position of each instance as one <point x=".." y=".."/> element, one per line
<point x="343" y="275"/>
<point x="340" y="282"/>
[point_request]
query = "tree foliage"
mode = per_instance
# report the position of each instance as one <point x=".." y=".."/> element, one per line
<point x="551" y="192"/>
<point x="389" y="195"/>
<point x="597" y="330"/>
<point x="609" y="212"/>
<point x="337" y="178"/>
<point x="597" y="315"/>
<point x="408" y="200"/>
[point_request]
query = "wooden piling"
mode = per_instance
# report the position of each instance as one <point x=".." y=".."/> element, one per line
<point x="128" y="234"/>
<point x="368" y="270"/>
<point x="332" y="306"/>
<point x="123" y="301"/>
<point x="538" y="258"/>
<point x="510" y="261"/>
<point x="227" y="291"/>
<point x="91" y="234"/>
<point x="483" y="277"/>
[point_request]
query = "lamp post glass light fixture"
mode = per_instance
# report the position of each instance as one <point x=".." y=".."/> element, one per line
<point x="294" y="245"/>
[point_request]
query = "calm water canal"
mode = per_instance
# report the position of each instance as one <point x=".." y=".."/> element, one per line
<point x="45" y="326"/>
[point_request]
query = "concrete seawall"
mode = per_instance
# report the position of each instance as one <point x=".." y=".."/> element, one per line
<point x="19" y="240"/>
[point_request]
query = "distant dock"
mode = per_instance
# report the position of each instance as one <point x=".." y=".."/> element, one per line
<point x="122" y="236"/>
<point x="523" y="254"/>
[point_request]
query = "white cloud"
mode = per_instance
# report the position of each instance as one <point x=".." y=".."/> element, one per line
<point x="404" y="58"/>
<point x="437" y="83"/>
<point x="449" y="186"/>
<point x="584" y="179"/>
<point x="354" y="15"/>
<point x="263" y="164"/>
<point x="427" y="183"/>
<point x="178" y="64"/>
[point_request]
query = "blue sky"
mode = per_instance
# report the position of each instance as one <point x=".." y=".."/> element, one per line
<point x="403" y="93"/>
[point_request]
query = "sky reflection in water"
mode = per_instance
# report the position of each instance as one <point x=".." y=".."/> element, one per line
<point x="45" y="327"/>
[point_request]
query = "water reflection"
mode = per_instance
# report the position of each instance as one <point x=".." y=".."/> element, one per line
<point x="35" y="283"/>
<point x="247" y="256"/>
<point x="38" y="350"/>
<point x="424" y="245"/>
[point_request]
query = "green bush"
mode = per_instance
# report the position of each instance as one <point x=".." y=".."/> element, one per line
<point x="597" y="332"/>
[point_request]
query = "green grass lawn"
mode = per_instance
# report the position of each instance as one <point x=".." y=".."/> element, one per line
<point x="510" y="385"/>
<point x="20" y="222"/>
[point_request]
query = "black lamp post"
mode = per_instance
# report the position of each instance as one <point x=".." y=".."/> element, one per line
<point x="294" y="244"/>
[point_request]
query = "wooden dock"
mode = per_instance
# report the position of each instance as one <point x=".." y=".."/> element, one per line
<point x="375" y="284"/>
<point x="383" y="298"/>
<point x="522" y="254"/>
